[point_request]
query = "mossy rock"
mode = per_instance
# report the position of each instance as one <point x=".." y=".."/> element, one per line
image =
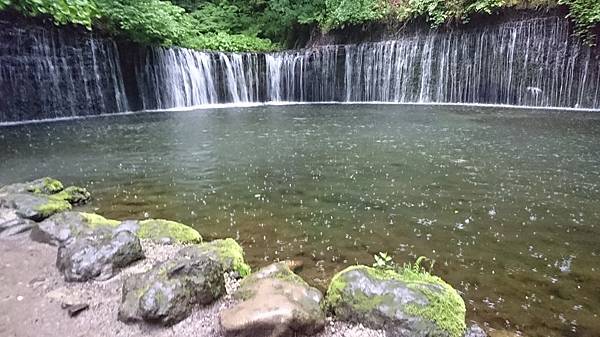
<point x="99" y="254"/>
<point x="167" y="293"/>
<point x="45" y="185"/>
<point x="62" y="226"/>
<point x="227" y="251"/>
<point x="32" y="206"/>
<point x="158" y="229"/>
<point x="94" y="220"/>
<point x="73" y="194"/>
<point x="50" y="207"/>
<point x="41" y="198"/>
<point x="409" y="301"/>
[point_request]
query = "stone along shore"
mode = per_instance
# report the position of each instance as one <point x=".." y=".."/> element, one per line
<point x="159" y="278"/>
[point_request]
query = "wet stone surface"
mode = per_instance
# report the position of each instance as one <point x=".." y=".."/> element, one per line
<point x="167" y="293"/>
<point x="274" y="302"/>
<point x="98" y="255"/>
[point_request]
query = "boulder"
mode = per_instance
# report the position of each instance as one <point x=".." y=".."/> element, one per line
<point x="228" y="252"/>
<point x="168" y="292"/>
<point x="409" y="302"/>
<point x="63" y="226"/>
<point x="158" y="230"/>
<point x="39" y="199"/>
<point x="45" y="185"/>
<point x="99" y="254"/>
<point x="36" y="207"/>
<point x="275" y="302"/>
<point x="74" y="195"/>
<point x="11" y="224"/>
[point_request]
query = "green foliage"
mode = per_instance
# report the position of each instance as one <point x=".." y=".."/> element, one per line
<point x="219" y="17"/>
<point x="342" y="12"/>
<point x="160" y="22"/>
<point x="586" y="14"/>
<point x="79" y="12"/>
<point x="251" y="25"/>
<point x="229" y="42"/>
<point x="383" y="261"/>
<point x="147" y="21"/>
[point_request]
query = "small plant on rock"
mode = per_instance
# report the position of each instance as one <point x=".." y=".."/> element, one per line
<point x="383" y="261"/>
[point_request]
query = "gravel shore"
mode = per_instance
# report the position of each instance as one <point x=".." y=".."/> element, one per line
<point x="33" y="294"/>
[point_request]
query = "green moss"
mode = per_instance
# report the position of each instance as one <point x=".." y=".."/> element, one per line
<point x="52" y="185"/>
<point x="73" y="194"/>
<point x="45" y="185"/>
<point x="285" y="274"/>
<point x="335" y="290"/>
<point x="156" y="229"/>
<point x="230" y="253"/>
<point x="53" y="206"/>
<point x="95" y="220"/>
<point x="446" y="308"/>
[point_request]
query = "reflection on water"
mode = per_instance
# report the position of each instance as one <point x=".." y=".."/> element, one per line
<point x="506" y="201"/>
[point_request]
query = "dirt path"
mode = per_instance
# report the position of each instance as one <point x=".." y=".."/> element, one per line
<point x="27" y="273"/>
<point x="32" y="292"/>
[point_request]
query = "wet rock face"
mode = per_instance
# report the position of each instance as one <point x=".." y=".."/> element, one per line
<point x="11" y="224"/>
<point x="275" y="302"/>
<point x="168" y="292"/>
<point x="98" y="255"/>
<point x="411" y="305"/>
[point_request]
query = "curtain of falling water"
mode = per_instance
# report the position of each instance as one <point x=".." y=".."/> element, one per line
<point x="49" y="73"/>
<point x="531" y="63"/>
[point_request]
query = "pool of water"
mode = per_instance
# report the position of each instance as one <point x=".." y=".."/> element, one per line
<point x="506" y="201"/>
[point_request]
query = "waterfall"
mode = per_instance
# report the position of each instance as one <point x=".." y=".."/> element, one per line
<point x="176" y="77"/>
<point x="309" y="75"/>
<point x="533" y="62"/>
<point x="49" y="73"/>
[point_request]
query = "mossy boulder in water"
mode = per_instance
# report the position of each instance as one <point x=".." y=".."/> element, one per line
<point x="39" y="199"/>
<point x="167" y="293"/>
<point x="228" y="252"/>
<point x="275" y="302"/>
<point x="45" y="186"/>
<point x="158" y="229"/>
<point x="409" y="302"/>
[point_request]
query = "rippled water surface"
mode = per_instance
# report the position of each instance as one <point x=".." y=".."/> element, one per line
<point x="506" y="201"/>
